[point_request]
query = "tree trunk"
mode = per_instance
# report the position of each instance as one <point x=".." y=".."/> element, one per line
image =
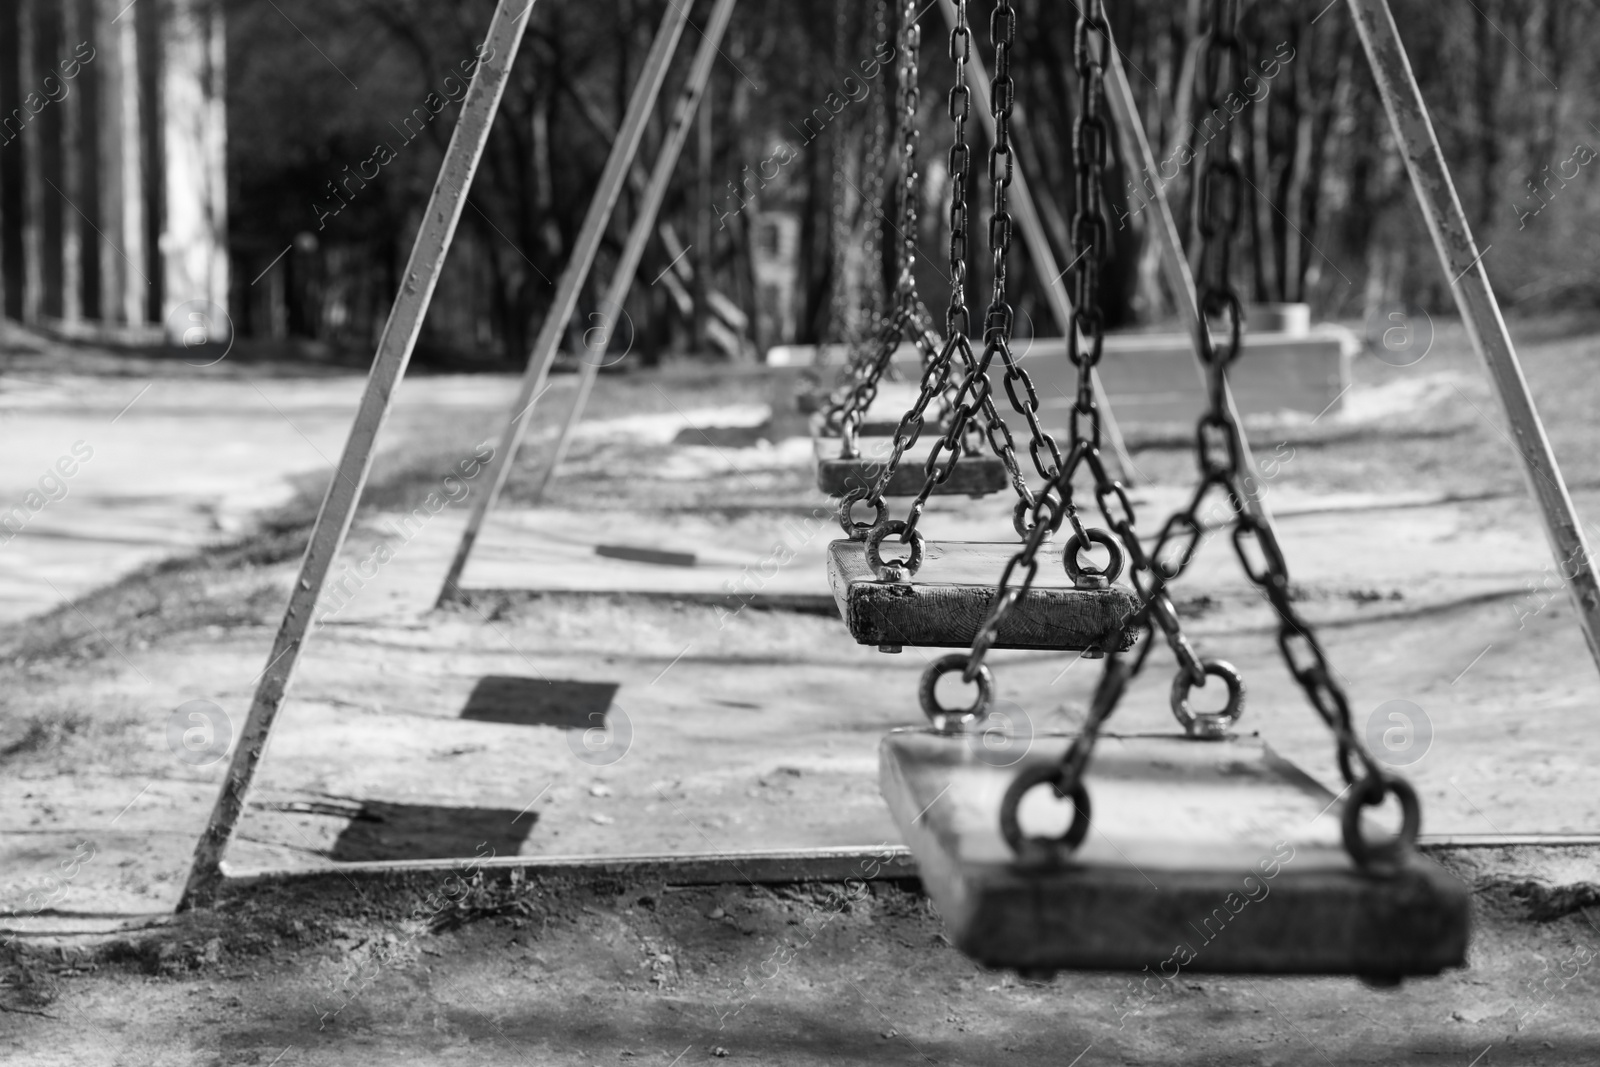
<point x="72" y="185"/>
<point x="32" y="145"/>
<point x="194" y="128"/>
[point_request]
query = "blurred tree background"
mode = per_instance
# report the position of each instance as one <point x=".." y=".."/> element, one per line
<point x="315" y="86"/>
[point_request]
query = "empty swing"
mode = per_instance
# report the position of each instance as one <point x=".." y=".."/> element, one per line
<point x="859" y="463"/>
<point x="938" y="594"/>
<point x="1203" y="851"/>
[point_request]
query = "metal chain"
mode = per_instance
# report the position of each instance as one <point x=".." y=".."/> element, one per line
<point x="1221" y="465"/>
<point x="974" y="397"/>
<point x="957" y="321"/>
<point x="904" y="320"/>
<point x="870" y="306"/>
<point x="999" y="319"/>
<point x="1091" y="245"/>
<point x="937" y="372"/>
<point x="1221" y="460"/>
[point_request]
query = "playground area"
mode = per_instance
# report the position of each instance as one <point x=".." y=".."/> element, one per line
<point x="1080" y="556"/>
<point x="752" y="727"/>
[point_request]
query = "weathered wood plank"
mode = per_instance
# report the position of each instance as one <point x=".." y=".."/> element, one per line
<point x="871" y="426"/>
<point x="946" y="601"/>
<point x="1202" y="857"/>
<point x="973" y="475"/>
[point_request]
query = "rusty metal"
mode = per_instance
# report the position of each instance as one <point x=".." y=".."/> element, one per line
<point x="945" y="719"/>
<point x="1209" y="725"/>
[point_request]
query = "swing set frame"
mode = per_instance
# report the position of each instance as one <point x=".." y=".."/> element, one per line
<point x="1459" y="257"/>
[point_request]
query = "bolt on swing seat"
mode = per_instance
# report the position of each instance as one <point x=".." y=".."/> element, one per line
<point x="1203" y="856"/>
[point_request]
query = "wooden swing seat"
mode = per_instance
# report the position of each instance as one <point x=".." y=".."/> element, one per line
<point x="1202" y="856"/>
<point x="977" y="475"/>
<point x="948" y="598"/>
<point x="871" y="426"/>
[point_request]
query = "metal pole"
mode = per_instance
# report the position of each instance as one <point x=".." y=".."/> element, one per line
<point x="1136" y="146"/>
<point x="1463" y="262"/>
<point x="536" y="375"/>
<point x="639" y="235"/>
<point x="338" y="507"/>
<point x="1044" y="260"/>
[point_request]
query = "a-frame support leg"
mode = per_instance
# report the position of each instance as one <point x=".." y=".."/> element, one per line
<point x="344" y="491"/>
<point x="650" y="205"/>
<point x="1463" y="263"/>
<point x="536" y="376"/>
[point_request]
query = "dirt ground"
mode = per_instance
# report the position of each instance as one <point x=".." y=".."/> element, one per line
<point x="424" y="969"/>
<point x="1407" y="529"/>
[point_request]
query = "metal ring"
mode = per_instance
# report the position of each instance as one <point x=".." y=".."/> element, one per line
<point x="1387" y="858"/>
<point x="944" y="720"/>
<point x="1088" y="577"/>
<point x="1020" y="515"/>
<point x="858" y="531"/>
<point x="1210" y="725"/>
<point x="1044" y="851"/>
<point x="895" y="570"/>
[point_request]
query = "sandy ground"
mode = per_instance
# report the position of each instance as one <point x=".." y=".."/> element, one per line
<point x="166" y="458"/>
<point x="1406" y="527"/>
<point x="628" y="972"/>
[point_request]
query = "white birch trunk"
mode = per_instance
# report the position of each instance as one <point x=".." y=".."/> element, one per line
<point x="194" y="243"/>
<point x="124" y="285"/>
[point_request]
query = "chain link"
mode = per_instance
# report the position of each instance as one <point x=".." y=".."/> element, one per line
<point x="908" y="316"/>
<point x="1217" y="437"/>
<point x="1220" y="458"/>
<point x="942" y="382"/>
<point x="957" y="321"/>
<point x="973" y="397"/>
<point x="849" y="315"/>
<point x="1091" y="247"/>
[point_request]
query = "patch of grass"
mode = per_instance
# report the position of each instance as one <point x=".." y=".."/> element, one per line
<point x="43" y="732"/>
<point x="47" y="735"/>
<point x="55" y="732"/>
